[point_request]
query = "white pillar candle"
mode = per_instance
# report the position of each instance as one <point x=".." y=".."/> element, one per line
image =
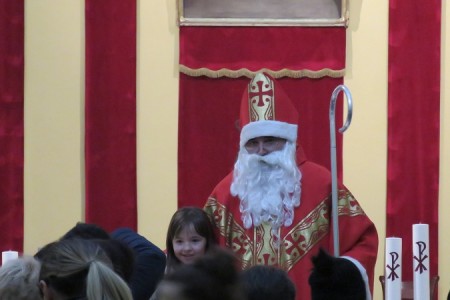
<point x="421" y="262"/>
<point x="393" y="269"/>
<point x="9" y="255"/>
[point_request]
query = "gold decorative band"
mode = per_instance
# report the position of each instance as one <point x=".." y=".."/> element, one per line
<point x="250" y="74"/>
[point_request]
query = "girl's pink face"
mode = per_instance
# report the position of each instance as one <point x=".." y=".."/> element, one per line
<point x="189" y="245"/>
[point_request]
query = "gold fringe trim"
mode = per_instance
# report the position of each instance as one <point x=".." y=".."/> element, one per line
<point x="250" y="74"/>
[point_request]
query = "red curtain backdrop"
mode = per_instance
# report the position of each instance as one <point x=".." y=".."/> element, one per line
<point x="11" y="123"/>
<point x="111" y="113"/>
<point x="413" y="125"/>
<point x="209" y="107"/>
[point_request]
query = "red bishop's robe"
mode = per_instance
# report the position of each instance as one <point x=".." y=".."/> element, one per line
<point x="310" y="230"/>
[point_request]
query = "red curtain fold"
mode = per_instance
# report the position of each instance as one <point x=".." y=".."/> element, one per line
<point x="209" y="107"/>
<point x="413" y="124"/>
<point x="11" y="124"/>
<point x="111" y="113"/>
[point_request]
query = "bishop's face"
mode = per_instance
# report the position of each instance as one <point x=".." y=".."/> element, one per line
<point x="264" y="145"/>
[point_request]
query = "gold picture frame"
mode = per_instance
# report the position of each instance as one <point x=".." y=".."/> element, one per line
<point x="263" y="13"/>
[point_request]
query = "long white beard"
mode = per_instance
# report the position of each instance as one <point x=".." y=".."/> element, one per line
<point x="268" y="186"/>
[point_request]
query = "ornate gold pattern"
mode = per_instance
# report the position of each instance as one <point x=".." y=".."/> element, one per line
<point x="261" y="96"/>
<point x="305" y="235"/>
<point x="347" y="205"/>
<point x="294" y="245"/>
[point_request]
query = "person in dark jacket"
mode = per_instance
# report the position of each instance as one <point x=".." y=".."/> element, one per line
<point x="149" y="266"/>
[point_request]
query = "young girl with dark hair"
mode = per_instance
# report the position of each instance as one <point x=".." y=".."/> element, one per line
<point x="189" y="236"/>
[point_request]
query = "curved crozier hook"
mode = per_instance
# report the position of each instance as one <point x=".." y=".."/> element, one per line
<point x="348" y="95"/>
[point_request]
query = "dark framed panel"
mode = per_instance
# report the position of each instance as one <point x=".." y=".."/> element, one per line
<point x="262" y="12"/>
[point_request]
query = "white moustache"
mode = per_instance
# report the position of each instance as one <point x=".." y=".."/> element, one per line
<point x="271" y="160"/>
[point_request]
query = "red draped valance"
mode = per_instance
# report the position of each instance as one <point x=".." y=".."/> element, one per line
<point x="295" y="52"/>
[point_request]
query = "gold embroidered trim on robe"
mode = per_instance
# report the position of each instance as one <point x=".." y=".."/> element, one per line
<point x="250" y="74"/>
<point x="261" y="248"/>
<point x="347" y="205"/>
<point x="304" y="236"/>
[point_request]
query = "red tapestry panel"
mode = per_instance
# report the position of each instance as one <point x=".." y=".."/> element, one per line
<point x="111" y="113"/>
<point x="11" y="123"/>
<point x="413" y="124"/>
